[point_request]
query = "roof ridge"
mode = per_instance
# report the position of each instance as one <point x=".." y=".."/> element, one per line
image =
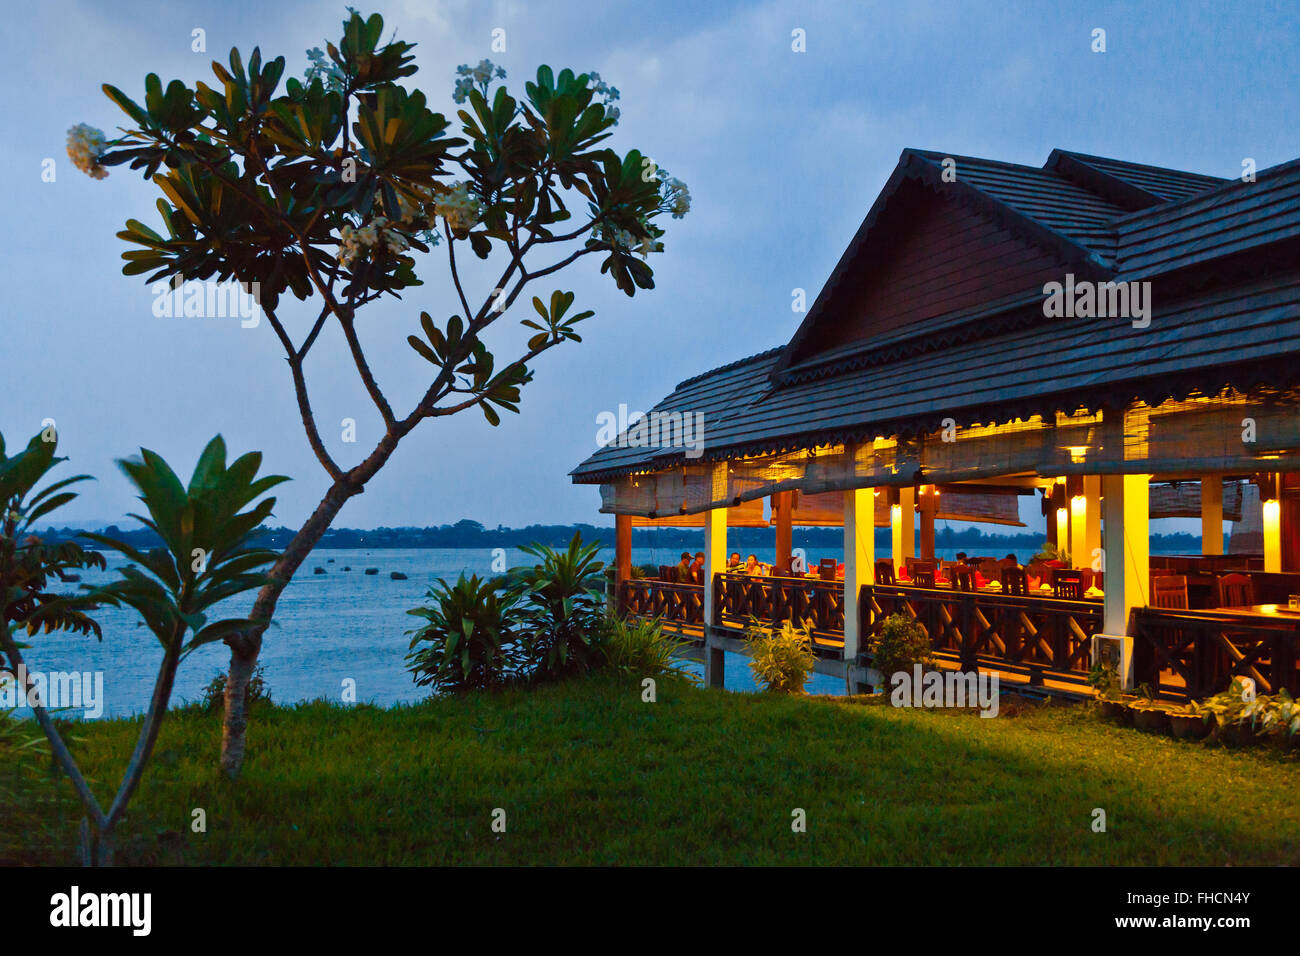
<point x="1223" y="188"/>
<point x="1125" y="162"/>
<point x="929" y="154"/>
<point x="729" y="366"/>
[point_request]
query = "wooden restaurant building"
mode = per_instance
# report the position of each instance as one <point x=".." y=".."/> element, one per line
<point x="1120" y="341"/>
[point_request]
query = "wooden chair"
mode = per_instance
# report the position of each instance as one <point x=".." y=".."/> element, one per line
<point x="1169" y="591"/>
<point x="990" y="568"/>
<point x="961" y="579"/>
<point x="885" y="572"/>
<point x="1067" y="583"/>
<point x="1235" y="590"/>
<point x="1085" y="577"/>
<point x="1015" y="581"/>
<point x="923" y="574"/>
<point x="666" y="573"/>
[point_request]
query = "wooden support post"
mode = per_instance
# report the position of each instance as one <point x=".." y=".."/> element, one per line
<point x="715" y="561"/>
<point x="1211" y="514"/>
<point x="859" y="563"/>
<point x="905" y="540"/>
<point x="1092" y="530"/>
<point x="1079" y="555"/>
<point x="1127" y="557"/>
<point x="622" y="559"/>
<point x="783" y="512"/>
<point x="1290" y="521"/>
<point x="929" y="505"/>
<point x="1272" y="508"/>
<point x="1058" y="518"/>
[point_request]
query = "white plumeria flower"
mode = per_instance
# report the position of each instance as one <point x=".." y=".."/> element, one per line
<point x="458" y="207"/>
<point x="85" y="145"/>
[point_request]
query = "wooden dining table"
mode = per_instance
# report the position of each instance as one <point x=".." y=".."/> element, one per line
<point x="1272" y="612"/>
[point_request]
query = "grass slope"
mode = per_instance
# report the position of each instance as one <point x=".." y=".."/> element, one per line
<point x="587" y="773"/>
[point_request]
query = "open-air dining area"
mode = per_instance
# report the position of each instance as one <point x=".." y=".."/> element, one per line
<point x="1210" y="617"/>
<point x="933" y="379"/>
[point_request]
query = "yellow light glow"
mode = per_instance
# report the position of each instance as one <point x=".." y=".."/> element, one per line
<point x="1078" y="453"/>
<point x="1272" y="536"/>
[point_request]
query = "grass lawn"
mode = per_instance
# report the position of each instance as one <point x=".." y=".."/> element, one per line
<point x="588" y="774"/>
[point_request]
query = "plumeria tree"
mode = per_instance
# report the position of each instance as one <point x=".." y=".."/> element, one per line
<point x="328" y="188"/>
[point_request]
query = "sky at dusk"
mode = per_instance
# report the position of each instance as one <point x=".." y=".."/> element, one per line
<point x="783" y="153"/>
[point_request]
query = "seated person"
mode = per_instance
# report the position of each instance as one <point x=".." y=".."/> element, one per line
<point x="751" y="565"/>
<point x="682" y="570"/>
<point x="733" y="562"/>
<point x="697" y="569"/>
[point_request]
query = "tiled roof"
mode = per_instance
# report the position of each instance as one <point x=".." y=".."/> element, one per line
<point x="1141" y="221"/>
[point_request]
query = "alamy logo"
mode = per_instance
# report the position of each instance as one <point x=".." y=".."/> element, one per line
<point x="209" y="300"/>
<point x="56" y="690"/>
<point x="1098" y="300"/>
<point x="656" y="430"/>
<point x="945" y="689"/>
<point x="74" y="908"/>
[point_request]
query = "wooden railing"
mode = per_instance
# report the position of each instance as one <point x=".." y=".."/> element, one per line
<point x="1197" y="653"/>
<point x="740" y="598"/>
<point x="1178" y="653"/>
<point x="669" y="601"/>
<point x="1039" y="637"/>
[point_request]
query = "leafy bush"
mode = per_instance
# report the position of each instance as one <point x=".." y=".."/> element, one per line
<point x="214" y="695"/>
<point x="642" y="649"/>
<point x="780" y="659"/>
<point x="561" y="610"/>
<point x="470" y="636"/>
<point x="1276" y="716"/>
<point x="902" y="645"/>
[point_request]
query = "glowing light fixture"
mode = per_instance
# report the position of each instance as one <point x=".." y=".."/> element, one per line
<point x="1272" y="536"/>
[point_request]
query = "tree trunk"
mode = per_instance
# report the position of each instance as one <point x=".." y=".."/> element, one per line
<point x="245" y="648"/>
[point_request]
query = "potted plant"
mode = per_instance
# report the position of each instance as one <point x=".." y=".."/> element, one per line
<point x="1104" y="679"/>
<point x="1227" y="711"/>
<point x="1149" y="714"/>
<point x="1189" y="723"/>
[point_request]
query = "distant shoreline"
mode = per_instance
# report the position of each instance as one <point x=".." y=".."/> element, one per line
<point x="468" y="534"/>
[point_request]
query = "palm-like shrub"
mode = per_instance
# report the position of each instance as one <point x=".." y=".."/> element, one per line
<point x="561" y="610"/>
<point x="902" y="645"/>
<point x="643" y="649"/>
<point x="468" y="640"/>
<point x="206" y="559"/>
<point x="781" y="659"/>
